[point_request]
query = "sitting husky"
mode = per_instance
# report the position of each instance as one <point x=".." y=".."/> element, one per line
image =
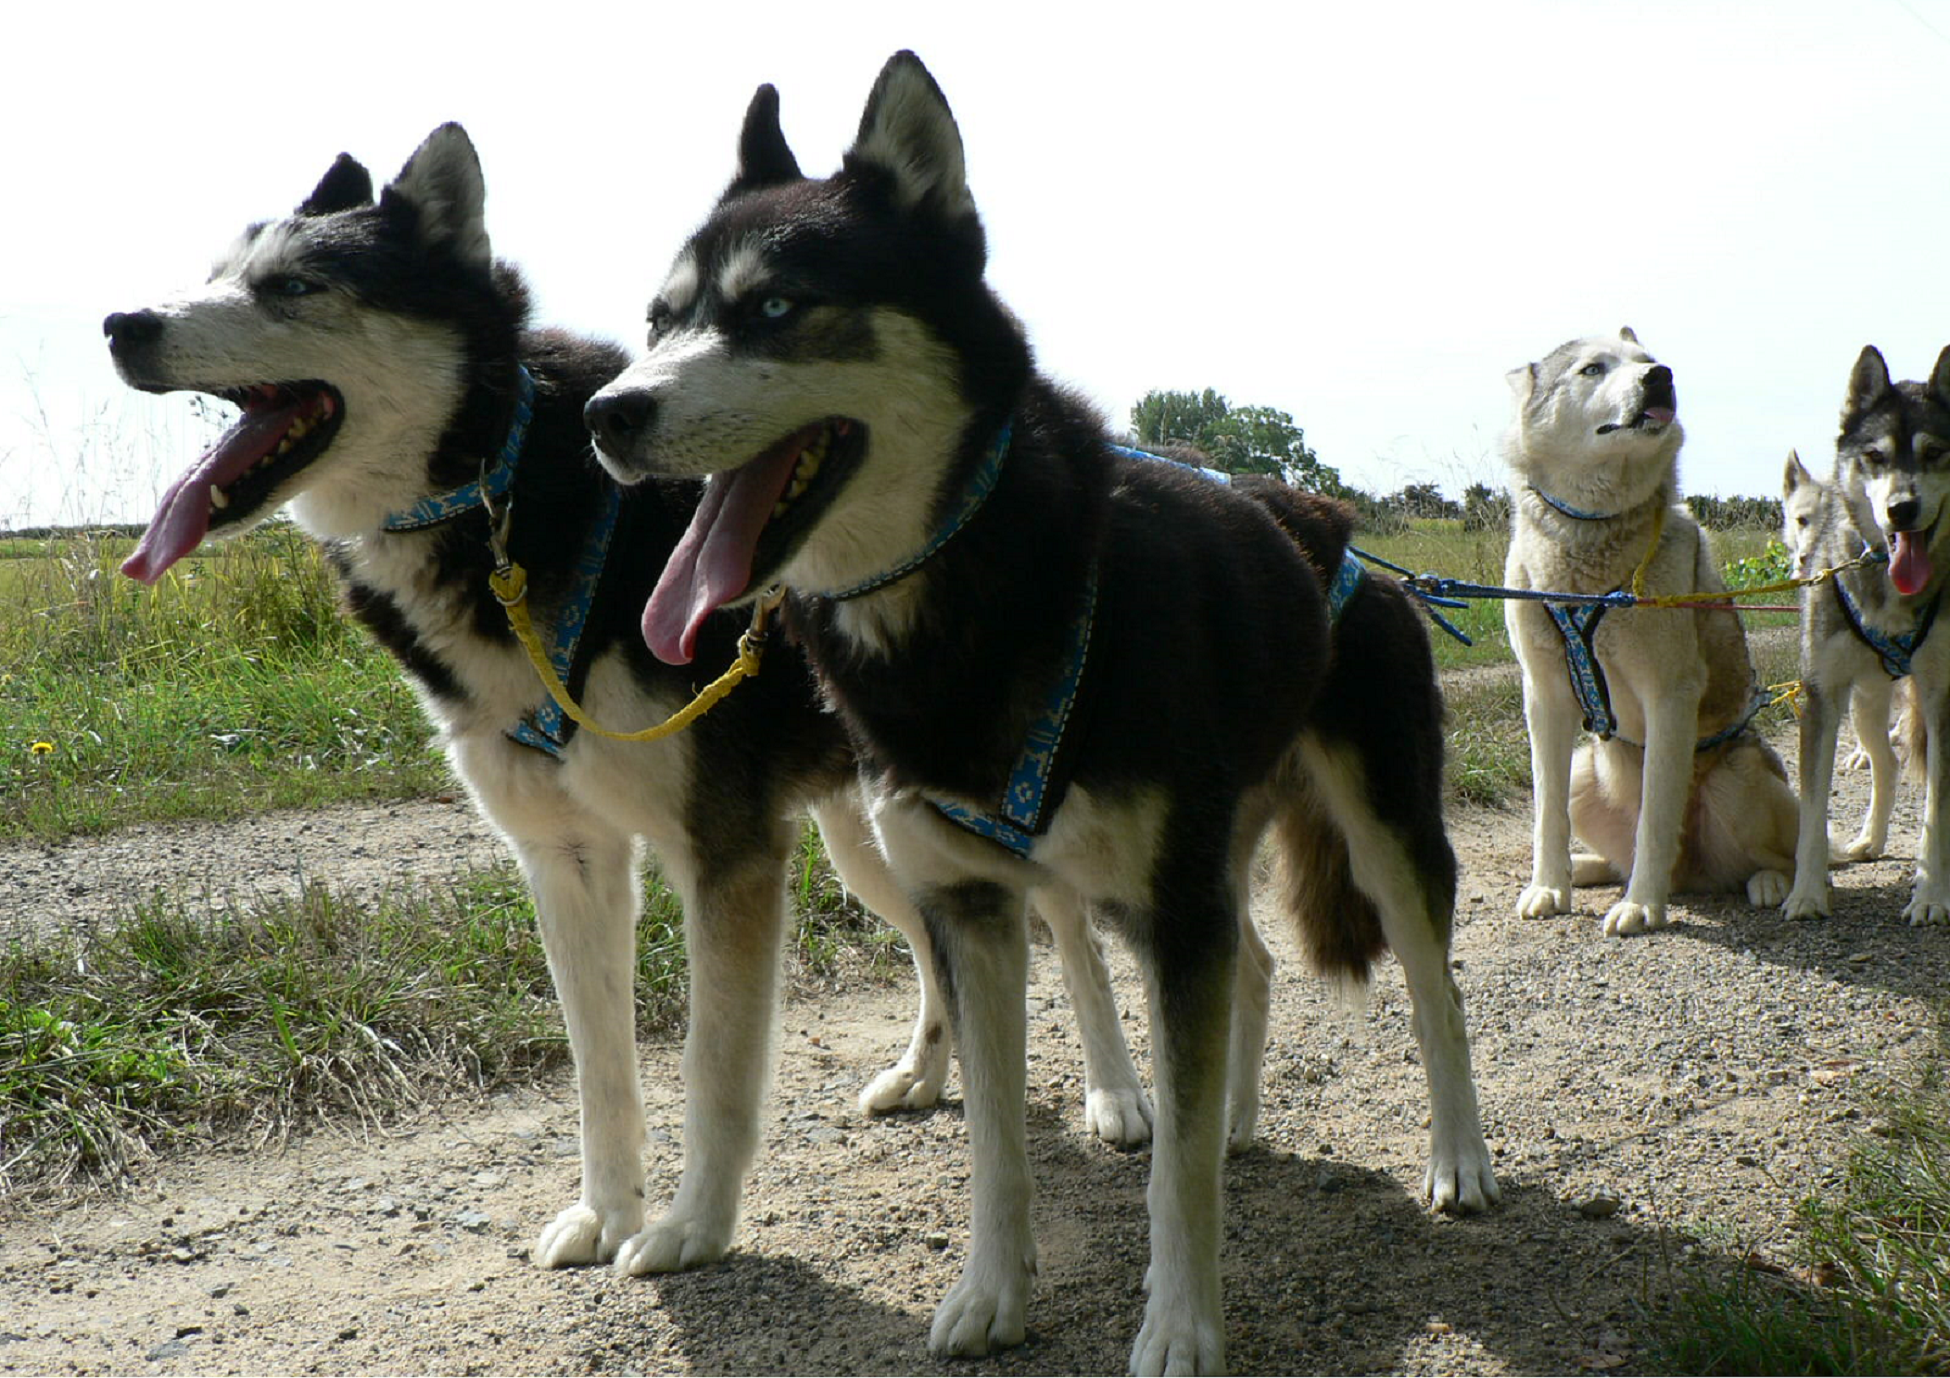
<point x="380" y="356"/>
<point x="1675" y="790"/>
<point x="1842" y="667"/>
<point x="1892" y="470"/>
<point x="1060" y="665"/>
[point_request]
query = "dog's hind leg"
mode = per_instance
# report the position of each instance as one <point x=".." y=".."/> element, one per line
<point x="1869" y="710"/>
<point x="1252" y="1004"/>
<point x="1821" y="719"/>
<point x="1115" y="1107"/>
<point x="916" y="1080"/>
<point x="1407" y="868"/>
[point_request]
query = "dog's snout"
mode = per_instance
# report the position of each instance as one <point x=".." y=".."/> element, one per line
<point x="1903" y="514"/>
<point x="617" y="419"/>
<point x="131" y="329"/>
<point x="1658" y="386"/>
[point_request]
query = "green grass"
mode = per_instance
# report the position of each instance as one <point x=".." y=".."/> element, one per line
<point x="169" y="1024"/>
<point x="1870" y="1289"/>
<point x="231" y="687"/>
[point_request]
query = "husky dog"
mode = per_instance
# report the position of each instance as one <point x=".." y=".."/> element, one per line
<point x="378" y="353"/>
<point x="1842" y="667"/>
<point x="1676" y="790"/>
<point x="1059" y="664"/>
<point x="1892" y="467"/>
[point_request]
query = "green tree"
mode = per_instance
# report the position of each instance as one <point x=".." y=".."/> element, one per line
<point x="1239" y="440"/>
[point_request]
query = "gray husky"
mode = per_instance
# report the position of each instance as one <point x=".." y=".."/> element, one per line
<point x="1845" y="664"/>
<point x="1892" y="467"/>
<point x="1675" y="789"/>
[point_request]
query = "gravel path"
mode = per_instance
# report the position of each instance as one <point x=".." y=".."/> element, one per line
<point x="1650" y="1102"/>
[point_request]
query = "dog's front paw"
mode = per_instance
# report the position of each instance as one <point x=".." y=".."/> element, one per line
<point x="1627" y="917"/>
<point x="1927" y="911"/>
<point x="582" y="1234"/>
<point x="1542" y="901"/>
<point x="1809" y="903"/>
<point x="910" y="1084"/>
<point x="1765" y="889"/>
<point x="984" y="1311"/>
<point x="1460" y="1180"/>
<point x="1120" y="1117"/>
<point x="1178" y="1337"/>
<point x="678" y="1241"/>
<point x="1857" y="759"/>
<point x="1864" y="846"/>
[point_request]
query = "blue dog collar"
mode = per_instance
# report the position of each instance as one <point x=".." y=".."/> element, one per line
<point x="494" y="483"/>
<point x="980" y="484"/>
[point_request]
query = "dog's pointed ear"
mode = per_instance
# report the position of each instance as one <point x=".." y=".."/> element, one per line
<point x="1523" y="382"/>
<point x="1625" y="332"/>
<point x="908" y="133"/>
<point x="764" y="157"/>
<point x="345" y="186"/>
<point x="1868" y="384"/>
<point x="1940" y="378"/>
<point x="442" y="183"/>
<point x="1796" y="475"/>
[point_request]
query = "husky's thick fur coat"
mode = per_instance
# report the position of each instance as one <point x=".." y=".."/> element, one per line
<point x="959" y="538"/>
<point x="1892" y="470"/>
<point x="377" y="350"/>
<point x="1842" y="669"/>
<point x="1675" y="792"/>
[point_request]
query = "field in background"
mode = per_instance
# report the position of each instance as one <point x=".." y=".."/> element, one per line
<point x="234" y="685"/>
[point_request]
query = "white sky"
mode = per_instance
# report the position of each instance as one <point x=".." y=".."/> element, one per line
<point x="1362" y="213"/>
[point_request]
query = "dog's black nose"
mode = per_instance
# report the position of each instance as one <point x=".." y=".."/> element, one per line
<point x="1658" y="386"/>
<point x="616" y="419"/>
<point x="1903" y="515"/>
<point x="131" y="329"/>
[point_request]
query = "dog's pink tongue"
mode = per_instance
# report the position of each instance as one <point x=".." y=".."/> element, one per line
<point x="182" y="519"/>
<point x="1909" y="564"/>
<point x="712" y="564"/>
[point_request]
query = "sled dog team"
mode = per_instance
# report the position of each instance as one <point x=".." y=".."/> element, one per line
<point x="1021" y="664"/>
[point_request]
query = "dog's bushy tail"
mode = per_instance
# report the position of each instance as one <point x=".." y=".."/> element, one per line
<point x="1368" y="771"/>
<point x="1337" y="925"/>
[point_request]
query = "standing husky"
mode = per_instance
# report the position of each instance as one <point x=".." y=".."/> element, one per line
<point x="1892" y="466"/>
<point x="1842" y="667"/>
<point x="1675" y="790"/>
<point x="380" y="354"/>
<point x="1059" y="664"/>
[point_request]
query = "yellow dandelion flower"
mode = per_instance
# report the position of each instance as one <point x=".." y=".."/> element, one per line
<point x="42" y="748"/>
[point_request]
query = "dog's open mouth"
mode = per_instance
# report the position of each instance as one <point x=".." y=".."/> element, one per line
<point x="748" y="522"/>
<point x="283" y="428"/>
<point x="1656" y="408"/>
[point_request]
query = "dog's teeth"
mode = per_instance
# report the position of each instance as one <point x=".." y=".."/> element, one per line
<point x="218" y="498"/>
<point x="778" y="509"/>
<point x="799" y="486"/>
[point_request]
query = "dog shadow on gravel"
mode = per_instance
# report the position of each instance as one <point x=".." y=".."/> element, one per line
<point x="1331" y="1267"/>
<point x="1866" y="943"/>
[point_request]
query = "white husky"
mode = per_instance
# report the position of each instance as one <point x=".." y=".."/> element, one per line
<point x="1675" y="789"/>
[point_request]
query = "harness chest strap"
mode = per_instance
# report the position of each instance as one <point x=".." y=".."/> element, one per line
<point x="1898" y="651"/>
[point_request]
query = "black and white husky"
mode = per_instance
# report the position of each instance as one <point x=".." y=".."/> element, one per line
<point x="394" y="396"/>
<point x="1059" y="664"/>
<point x="1892" y="470"/>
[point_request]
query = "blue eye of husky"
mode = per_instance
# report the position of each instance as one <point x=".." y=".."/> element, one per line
<point x="1593" y="370"/>
<point x="293" y="287"/>
<point x="776" y="308"/>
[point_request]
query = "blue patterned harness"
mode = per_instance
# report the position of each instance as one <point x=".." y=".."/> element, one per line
<point x="1038" y="781"/>
<point x="546" y="727"/>
<point x="1896" y="652"/>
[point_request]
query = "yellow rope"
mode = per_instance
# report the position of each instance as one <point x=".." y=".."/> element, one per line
<point x="510" y="582"/>
<point x="1652" y="549"/>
